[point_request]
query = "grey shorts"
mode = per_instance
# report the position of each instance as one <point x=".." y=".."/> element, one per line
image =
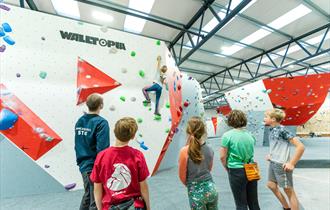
<point x="277" y="174"/>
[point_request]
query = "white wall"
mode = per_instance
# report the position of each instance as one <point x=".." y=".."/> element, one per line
<point x="53" y="99"/>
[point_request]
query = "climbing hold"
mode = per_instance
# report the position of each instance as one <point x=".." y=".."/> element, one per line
<point x="180" y="108"/>
<point x="9" y="40"/>
<point x="70" y="186"/>
<point x="18" y="75"/>
<point x="157" y="118"/>
<point x="112" y="108"/>
<point x="43" y="38"/>
<point x="133" y="53"/>
<point x="143" y="146"/>
<point x="2" y="32"/>
<point x="167" y="130"/>
<point x="133" y="99"/>
<point x="113" y="50"/>
<point x="104" y="29"/>
<point x="7" y="119"/>
<point x="6" y="27"/>
<point x="146" y="103"/>
<point x="2" y="48"/>
<point x="150" y="109"/>
<point x="167" y="105"/>
<point x="43" y="74"/>
<point x="141" y="73"/>
<point x="179" y="87"/>
<point x="46" y="166"/>
<point x="139" y="120"/>
<point x="186" y="104"/>
<point x="122" y="98"/>
<point x="140" y="135"/>
<point x="178" y="113"/>
<point x="4" y="7"/>
<point x="158" y="42"/>
<point x="189" y="78"/>
<point x="124" y="70"/>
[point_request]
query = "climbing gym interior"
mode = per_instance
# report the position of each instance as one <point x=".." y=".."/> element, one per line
<point x="219" y="56"/>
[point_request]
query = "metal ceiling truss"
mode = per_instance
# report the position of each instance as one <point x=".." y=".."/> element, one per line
<point x="318" y="9"/>
<point x="169" y="23"/>
<point x="277" y="66"/>
<point x="202" y="37"/>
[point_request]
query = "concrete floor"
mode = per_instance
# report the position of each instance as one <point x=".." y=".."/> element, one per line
<point x="167" y="193"/>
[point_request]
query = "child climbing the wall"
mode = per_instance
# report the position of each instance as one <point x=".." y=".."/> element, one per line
<point x="91" y="137"/>
<point x="281" y="166"/>
<point x="195" y="164"/>
<point x="156" y="85"/>
<point x="120" y="173"/>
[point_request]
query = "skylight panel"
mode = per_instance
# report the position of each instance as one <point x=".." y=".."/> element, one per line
<point x="68" y="8"/>
<point x="135" y="24"/>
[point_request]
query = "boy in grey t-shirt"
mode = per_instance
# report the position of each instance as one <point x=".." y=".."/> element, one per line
<point x="281" y="166"/>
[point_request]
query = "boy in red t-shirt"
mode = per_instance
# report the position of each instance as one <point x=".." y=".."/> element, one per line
<point x="120" y="172"/>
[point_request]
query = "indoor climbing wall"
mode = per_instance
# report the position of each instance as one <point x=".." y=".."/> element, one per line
<point x="191" y="105"/>
<point x="49" y="68"/>
<point x="300" y="96"/>
<point x="319" y="124"/>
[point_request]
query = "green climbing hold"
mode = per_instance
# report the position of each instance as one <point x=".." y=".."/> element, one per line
<point x="122" y="98"/>
<point x="139" y="120"/>
<point x="158" y="42"/>
<point x="145" y="103"/>
<point x="158" y="117"/>
<point x="43" y="74"/>
<point x="150" y="109"/>
<point x="133" y="53"/>
<point x="167" y="130"/>
<point x="167" y="105"/>
<point x="141" y="73"/>
<point x="140" y="135"/>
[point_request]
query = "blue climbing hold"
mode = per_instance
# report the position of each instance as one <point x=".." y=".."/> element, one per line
<point x="2" y="32"/>
<point x="7" y="119"/>
<point x="143" y="146"/>
<point x="6" y="27"/>
<point x="9" y="40"/>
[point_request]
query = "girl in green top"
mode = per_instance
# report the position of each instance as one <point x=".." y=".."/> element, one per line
<point x="237" y="148"/>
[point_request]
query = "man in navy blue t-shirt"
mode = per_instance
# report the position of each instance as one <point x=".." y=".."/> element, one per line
<point x="91" y="137"/>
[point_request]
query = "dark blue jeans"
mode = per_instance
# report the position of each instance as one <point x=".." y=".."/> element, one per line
<point x="88" y="201"/>
<point x="245" y="192"/>
<point x="154" y="87"/>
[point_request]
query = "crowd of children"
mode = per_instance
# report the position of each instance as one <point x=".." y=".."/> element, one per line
<point x="115" y="178"/>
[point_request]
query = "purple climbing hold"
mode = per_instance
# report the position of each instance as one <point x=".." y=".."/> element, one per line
<point x="47" y="166"/>
<point x="2" y="48"/>
<point x="70" y="186"/>
<point x="4" y="7"/>
<point x="18" y="75"/>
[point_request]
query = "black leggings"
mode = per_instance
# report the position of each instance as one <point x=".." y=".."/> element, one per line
<point x="245" y="192"/>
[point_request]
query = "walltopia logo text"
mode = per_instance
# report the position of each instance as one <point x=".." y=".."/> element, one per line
<point x="91" y="40"/>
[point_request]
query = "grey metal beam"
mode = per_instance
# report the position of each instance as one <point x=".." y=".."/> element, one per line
<point x="228" y="17"/>
<point x="32" y="5"/>
<point x="267" y="73"/>
<point x="263" y="25"/>
<point x="167" y="22"/>
<point x="318" y="9"/>
<point x="21" y="3"/>
<point x="274" y="49"/>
